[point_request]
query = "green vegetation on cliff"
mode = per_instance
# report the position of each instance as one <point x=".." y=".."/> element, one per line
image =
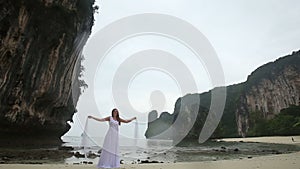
<point x="287" y="122"/>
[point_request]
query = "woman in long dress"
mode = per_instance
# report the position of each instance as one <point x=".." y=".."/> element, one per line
<point x="110" y="151"/>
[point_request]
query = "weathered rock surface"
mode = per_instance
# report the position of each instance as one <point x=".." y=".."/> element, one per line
<point x="41" y="41"/>
<point x="268" y="90"/>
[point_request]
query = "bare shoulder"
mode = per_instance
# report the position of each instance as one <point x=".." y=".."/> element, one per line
<point x="122" y="120"/>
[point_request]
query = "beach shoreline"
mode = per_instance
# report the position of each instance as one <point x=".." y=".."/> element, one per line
<point x="272" y="161"/>
<point x="290" y="161"/>
<point x="267" y="139"/>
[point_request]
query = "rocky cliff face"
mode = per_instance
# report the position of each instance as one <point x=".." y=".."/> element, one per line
<point x="270" y="89"/>
<point x="41" y="41"/>
<point x="267" y="91"/>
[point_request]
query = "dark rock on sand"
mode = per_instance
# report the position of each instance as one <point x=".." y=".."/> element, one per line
<point x="79" y="155"/>
<point x="87" y="162"/>
<point x="33" y="156"/>
<point x="66" y="148"/>
<point x="92" y="155"/>
<point x="147" y="161"/>
<point x="236" y="149"/>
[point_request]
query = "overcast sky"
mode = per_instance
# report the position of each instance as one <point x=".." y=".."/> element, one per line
<point x="244" y="33"/>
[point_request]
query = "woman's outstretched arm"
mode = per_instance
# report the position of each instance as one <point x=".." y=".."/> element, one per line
<point x="127" y="121"/>
<point x="98" y="119"/>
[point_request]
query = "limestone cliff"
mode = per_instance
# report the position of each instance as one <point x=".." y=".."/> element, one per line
<point x="268" y="90"/>
<point x="41" y="41"/>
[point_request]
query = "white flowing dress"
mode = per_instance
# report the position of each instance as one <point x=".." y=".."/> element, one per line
<point x="109" y="157"/>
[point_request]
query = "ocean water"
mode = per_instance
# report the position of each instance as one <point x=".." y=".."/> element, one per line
<point x="136" y="150"/>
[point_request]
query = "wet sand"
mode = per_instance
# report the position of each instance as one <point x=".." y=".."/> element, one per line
<point x="273" y="139"/>
<point x="290" y="161"/>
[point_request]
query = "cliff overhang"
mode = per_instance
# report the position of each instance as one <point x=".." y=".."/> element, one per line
<point x="41" y="41"/>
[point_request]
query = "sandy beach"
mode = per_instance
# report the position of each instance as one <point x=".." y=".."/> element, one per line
<point x="274" y="139"/>
<point x="290" y="161"/>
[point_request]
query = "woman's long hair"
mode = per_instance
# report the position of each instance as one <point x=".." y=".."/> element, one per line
<point x="118" y="117"/>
